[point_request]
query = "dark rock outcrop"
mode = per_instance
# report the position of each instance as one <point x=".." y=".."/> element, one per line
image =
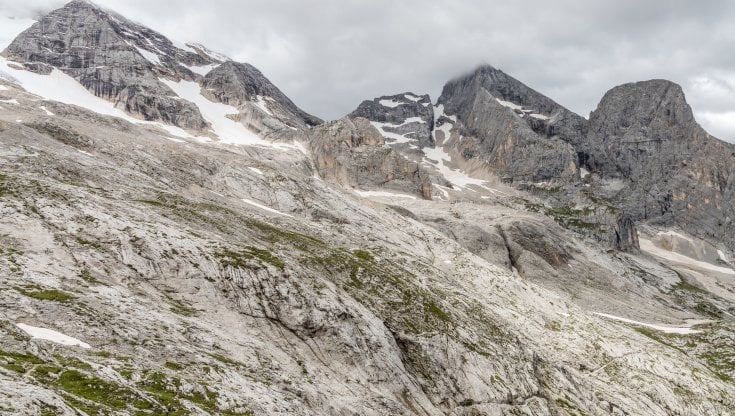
<point x="673" y="172"/>
<point x="113" y="58"/>
<point x="408" y="115"/>
<point x="520" y="135"/>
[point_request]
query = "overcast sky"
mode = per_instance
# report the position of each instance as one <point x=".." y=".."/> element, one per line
<point x="329" y="55"/>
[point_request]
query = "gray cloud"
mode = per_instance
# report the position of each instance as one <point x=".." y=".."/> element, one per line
<point x="329" y="55"/>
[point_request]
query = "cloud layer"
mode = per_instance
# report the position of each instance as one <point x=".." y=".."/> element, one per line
<point x="329" y="55"/>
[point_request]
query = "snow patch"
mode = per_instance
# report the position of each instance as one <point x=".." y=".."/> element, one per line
<point x="228" y="130"/>
<point x="437" y="156"/>
<point x="149" y="56"/>
<point x="540" y="116"/>
<point x="583" y="173"/>
<point x="174" y="139"/>
<point x="412" y="97"/>
<point x="392" y="103"/>
<point x="3" y="88"/>
<point x="48" y="113"/>
<point x="260" y="103"/>
<point x="366" y="194"/>
<point x="201" y="70"/>
<point x="399" y="138"/>
<point x="53" y="336"/>
<point x="263" y="207"/>
<point x="665" y="329"/>
<point x="722" y="256"/>
<point x="509" y="104"/>
<point x="256" y="170"/>
<point x="11" y="101"/>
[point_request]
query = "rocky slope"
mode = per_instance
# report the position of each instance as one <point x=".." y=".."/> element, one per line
<point x="314" y="270"/>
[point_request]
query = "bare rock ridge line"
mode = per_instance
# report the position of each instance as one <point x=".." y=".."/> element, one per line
<point x="640" y="158"/>
<point x="123" y="62"/>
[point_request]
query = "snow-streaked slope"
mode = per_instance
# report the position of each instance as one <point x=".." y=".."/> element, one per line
<point x="265" y="208"/>
<point x="57" y="86"/>
<point x="439" y="158"/>
<point x="228" y="130"/>
<point x="53" y="336"/>
<point x="681" y="330"/>
<point x="366" y="194"/>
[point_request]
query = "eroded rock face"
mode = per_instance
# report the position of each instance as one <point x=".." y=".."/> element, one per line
<point x="351" y="152"/>
<point x="113" y="58"/>
<point x="674" y="172"/>
<point x="403" y="118"/>
<point x="237" y="84"/>
<point x="520" y="140"/>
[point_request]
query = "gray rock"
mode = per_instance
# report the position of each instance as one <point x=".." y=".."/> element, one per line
<point x="236" y="84"/>
<point x="351" y="153"/>
<point x="515" y="145"/>
<point x="674" y="172"/>
<point x="107" y="53"/>
<point x="407" y="114"/>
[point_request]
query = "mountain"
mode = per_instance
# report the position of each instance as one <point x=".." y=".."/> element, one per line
<point x="126" y="63"/>
<point x="407" y="259"/>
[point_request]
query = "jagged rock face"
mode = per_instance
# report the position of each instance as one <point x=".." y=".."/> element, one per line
<point x="675" y="173"/>
<point x="402" y="118"/>
<point x="236" y="84"/>
<point x="114" y="58"/>
<point x="351" y="153"/>
<point x="520" y="141"/>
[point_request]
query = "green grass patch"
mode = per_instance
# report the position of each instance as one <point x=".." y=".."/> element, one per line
<point x="248" y="258"/>
<point x="35" y="292"/>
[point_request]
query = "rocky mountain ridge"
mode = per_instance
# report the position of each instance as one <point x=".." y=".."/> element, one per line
<point x="644" y="135"/>
<point x="377" y="264"/>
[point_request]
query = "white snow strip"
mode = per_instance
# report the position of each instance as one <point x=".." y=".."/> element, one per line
<point x="390" y="103"/>
<point x="509" y="104"/>
<point x="174" y="139"/>
<point x="260" y="103"/>
<point x="399" y="138"/>
<point x="540" y="116"/>
<point x="12" y="101"/>
<point x="228" y="130"/>
<point x="53" y="336"/>
<point x="366" y="194"/>
<point x="19" y="121"/>
<point x="584" y="173"/>
<point x="48" y="113"/>
<point x="150" y="56"/>
<point x="60" y="87"/>
<point x="256" y="170"/>
<point x="680" y="259"/>
<point x="263" y="207"/>
<point x="412" y="97"/>
<point x="722" y="255"/>
<point x="3" y="88"/>
<point x="85" y="153"/>
<point x="202" y="70"/>
<point x="665" y="329"/>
